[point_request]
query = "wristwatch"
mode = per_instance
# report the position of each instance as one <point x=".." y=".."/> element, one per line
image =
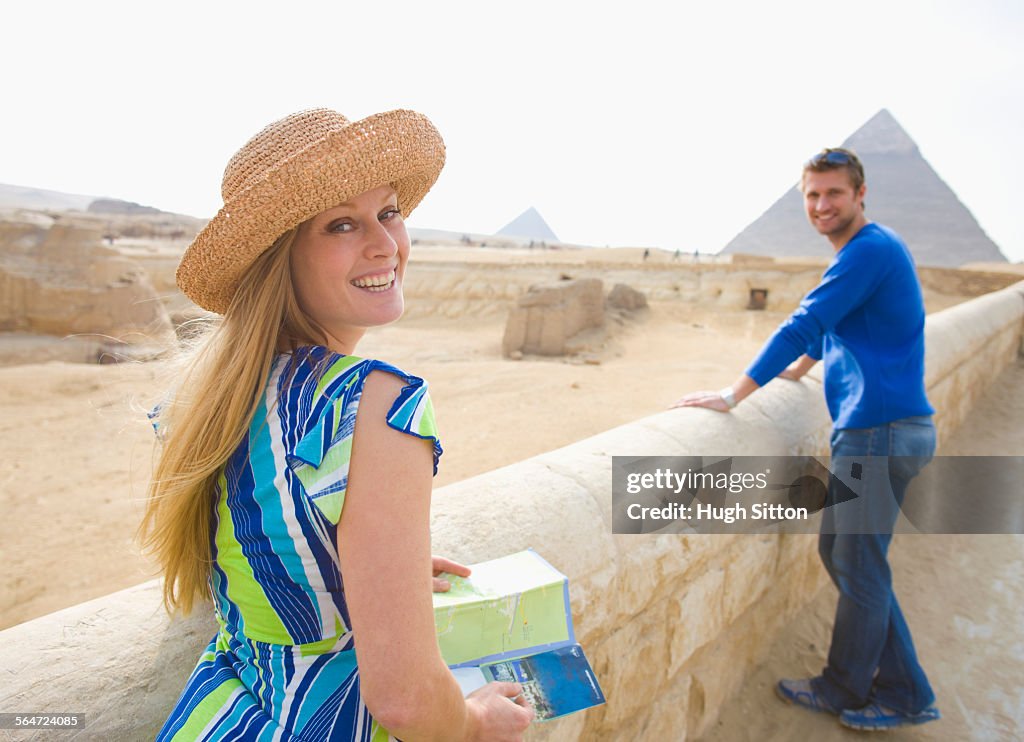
<point x="728" y="397"/>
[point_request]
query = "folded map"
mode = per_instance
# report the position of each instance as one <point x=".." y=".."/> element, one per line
<point x="510" y="620"/>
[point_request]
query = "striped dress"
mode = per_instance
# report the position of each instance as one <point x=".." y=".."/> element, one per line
<point x="282" y="665"/>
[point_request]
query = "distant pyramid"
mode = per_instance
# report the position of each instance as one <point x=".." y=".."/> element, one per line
<point x="529" y="224"/>
<point x="904" y="193"/>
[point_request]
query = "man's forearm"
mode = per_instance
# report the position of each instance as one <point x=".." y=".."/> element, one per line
<point x="798" y="368"/>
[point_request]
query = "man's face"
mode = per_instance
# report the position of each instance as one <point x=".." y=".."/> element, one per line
<point x="833" y="206"/>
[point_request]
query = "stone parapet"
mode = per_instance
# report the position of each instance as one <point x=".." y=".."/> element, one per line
<point x="672" y="623"/>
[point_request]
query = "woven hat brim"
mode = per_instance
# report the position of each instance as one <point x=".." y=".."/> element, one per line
<point x="398" y="148"/>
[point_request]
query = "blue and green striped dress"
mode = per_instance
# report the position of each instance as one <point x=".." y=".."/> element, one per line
<point x="282" y="665"/>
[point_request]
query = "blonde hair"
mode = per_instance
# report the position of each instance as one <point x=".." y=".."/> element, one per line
<point x="208" y="415"/>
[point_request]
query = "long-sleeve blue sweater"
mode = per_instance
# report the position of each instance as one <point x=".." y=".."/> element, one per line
<point x="866" y="320"/>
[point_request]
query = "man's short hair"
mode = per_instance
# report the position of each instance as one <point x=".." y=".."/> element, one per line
<point x="836" y="158"/>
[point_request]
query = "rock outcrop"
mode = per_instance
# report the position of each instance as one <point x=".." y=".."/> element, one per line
<point x="626" y="297"/>
<point x="547" y="318"/>
<point x="57" y="278"/>
<point x="117" y="206"/>
<point x="567" y="318"/>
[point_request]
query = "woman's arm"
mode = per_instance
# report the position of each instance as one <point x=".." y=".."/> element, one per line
<point x="384" y="548"/>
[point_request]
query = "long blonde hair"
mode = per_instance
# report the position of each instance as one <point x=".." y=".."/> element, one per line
<point x="208" y="414"/>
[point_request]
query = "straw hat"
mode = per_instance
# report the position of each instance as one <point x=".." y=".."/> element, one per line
<point x="294" y="169"/>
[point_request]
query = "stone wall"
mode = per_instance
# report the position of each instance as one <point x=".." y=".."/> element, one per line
<point x="671" y="623"/>
<point x="456" y="289"/>
<point x="438" y="287"/>
<point x="451" y="288"/>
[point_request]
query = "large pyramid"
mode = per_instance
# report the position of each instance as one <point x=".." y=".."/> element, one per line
<point x="904" y="193"/>
<point x="529" y="224"/>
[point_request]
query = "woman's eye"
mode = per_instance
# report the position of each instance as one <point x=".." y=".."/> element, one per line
<point x="390" y="213"/>
<point x="340" y="227"/>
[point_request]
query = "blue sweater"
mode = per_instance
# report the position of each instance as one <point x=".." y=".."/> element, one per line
<point x="866" y="320"/>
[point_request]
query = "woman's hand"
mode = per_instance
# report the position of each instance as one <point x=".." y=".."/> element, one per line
<point x="443" y="564"/>
<point x="502" y="714"/>
<point x="710" y="400"/>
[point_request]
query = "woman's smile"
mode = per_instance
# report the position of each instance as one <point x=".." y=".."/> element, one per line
<point x="376" y="283"/>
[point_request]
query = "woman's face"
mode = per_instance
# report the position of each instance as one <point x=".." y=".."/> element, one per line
<point x="347" y="266"/>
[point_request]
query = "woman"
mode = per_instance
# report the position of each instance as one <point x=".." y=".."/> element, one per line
<point x="308" y="522"/>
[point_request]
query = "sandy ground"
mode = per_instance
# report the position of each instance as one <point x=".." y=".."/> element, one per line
<point x="961" y="597"/>
<point x="78" y="447"/>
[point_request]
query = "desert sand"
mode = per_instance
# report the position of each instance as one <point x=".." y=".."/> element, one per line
<point x="79" y="447"/>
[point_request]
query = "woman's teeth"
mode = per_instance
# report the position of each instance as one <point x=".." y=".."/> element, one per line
<point x="381" y="282"/>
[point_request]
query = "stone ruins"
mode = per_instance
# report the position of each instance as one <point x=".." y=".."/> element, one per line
<point x="565" y="318"/>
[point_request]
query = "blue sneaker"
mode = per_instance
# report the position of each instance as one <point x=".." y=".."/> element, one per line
<point x="801" y="693"/>
<point x="875" y="717"/>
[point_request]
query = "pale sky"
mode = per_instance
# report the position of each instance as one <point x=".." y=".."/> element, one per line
<point x="637" y="123"/>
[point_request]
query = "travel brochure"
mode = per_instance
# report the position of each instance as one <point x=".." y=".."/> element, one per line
<point x="510" y="621"/>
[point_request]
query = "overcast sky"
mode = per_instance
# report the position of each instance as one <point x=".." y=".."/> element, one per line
<point x="638" y="123"/>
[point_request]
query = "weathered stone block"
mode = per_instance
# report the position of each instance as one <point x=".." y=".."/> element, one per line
<point x="518" y="507"/>
<point x="696" y="617"/>
<point x="63" y="281"/>
<point x="749" y="573"/>
<point x="626" y="297"/>
<point x="547" y="317"/>
<point x="630" y="666"/>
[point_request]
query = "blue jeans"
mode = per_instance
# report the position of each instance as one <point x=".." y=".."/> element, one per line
<point x="872" y="656"/>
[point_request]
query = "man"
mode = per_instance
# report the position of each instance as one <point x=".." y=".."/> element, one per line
<point x="866" y="319"/>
